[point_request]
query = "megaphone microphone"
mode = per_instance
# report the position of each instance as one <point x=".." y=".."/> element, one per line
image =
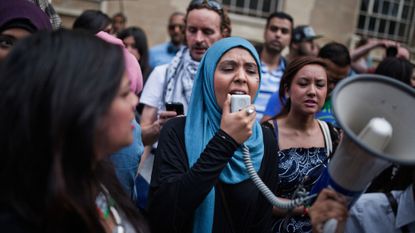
<point x="376" y="116"/>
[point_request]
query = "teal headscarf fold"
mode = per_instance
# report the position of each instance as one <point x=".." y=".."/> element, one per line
<point x="203" y="121"/>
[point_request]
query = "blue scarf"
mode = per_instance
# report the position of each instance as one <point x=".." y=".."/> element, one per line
<point x="203" y="121"/>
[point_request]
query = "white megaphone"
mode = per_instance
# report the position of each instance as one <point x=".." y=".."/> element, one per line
<point x="376" y="114"/>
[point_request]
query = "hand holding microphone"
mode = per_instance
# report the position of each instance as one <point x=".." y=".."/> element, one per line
<point x="238" y="117"/>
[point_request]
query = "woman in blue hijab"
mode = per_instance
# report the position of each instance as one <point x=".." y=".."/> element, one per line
<point x="199" y="182"/>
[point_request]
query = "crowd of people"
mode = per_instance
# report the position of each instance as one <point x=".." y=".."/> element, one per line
<point x="101" y="133"/>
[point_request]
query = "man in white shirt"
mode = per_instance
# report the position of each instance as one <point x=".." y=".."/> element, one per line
<point x="206" y="23"/>
<point x="392" y="212"/>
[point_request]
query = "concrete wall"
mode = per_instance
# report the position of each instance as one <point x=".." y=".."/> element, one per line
<point x="300" y="10"/>
<point x="151" y="15"/>
<point x="248" y="27"/>
<point x="335" y="19"/>
<point x="70" y="9"/>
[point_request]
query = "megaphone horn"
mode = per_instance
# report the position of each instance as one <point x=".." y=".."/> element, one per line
<point x="376" y="114"/>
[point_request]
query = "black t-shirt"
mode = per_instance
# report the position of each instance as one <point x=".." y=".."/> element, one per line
<point x="177" y="190"/>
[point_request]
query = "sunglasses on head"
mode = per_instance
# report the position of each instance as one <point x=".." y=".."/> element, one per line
<point x="211" y="3"/>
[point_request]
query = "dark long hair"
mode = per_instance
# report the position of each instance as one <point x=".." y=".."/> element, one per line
<point x="141" y="45"/>
<point x="54" y="89"/>
<point x="396" y="68"/>
<point x="92" y="21"/>
<point x="286" y="80"/>
<point x="336" y="53"/>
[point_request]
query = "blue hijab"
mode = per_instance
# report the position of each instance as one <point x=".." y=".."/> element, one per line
<point x="203" y="121"/>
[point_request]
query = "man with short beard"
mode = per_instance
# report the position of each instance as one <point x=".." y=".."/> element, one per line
<point x="206" y="23"/>
<point x="302" y="43"/>
<point x="277" y="36"/>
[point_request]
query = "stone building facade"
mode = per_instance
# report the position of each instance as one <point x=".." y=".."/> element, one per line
<point x="344" y="21"/>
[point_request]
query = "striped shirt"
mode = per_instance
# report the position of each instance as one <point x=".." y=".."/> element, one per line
<point x="270" y="84"/>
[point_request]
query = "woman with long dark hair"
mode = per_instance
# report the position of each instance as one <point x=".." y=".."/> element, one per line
<point x="135" y="40"/>
<point x="65" y="106"/>
<point x="303" y="141"/>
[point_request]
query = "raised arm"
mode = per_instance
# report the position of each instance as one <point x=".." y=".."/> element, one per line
<point x="176" y="190"/>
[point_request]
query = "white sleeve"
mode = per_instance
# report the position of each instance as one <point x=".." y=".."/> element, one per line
<point x="153" y="89"/>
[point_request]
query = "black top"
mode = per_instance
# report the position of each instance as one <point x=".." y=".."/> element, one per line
<point x="177" y="190"/>
<point x="11" y="222"/>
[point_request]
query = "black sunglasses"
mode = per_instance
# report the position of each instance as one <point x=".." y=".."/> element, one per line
<point x="173" y="26"/>
<point x="211" y="3"/>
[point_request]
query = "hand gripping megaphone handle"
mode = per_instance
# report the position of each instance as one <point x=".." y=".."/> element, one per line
<point x="376" y="134"/>
<point x="355" y="101"/>
<point x="330" y="226"/>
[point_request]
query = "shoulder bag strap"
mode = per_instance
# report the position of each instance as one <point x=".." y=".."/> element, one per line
<point x="327" y="138"/>
<point x="275" y="129"/>
<point x="394" y="206"/>
<point x="392" y="202"/>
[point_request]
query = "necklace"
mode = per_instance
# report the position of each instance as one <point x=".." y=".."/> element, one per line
<point x="106" y="207"/>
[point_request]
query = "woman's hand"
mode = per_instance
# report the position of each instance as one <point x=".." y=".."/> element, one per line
<point x="238" y="125"/>
<point x="328" y="205"/>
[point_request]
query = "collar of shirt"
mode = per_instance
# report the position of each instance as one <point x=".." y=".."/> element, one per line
<point x="172" y="49"/>
<point x="280" y="68"/>
<point x="406" y="208"/>
<point x="189" y="60"/>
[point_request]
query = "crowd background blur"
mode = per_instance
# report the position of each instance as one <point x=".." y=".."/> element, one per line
<point x="361" y="37"/>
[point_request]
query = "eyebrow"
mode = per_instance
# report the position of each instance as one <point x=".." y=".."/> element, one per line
<point x="227" y="62"/>
<point x="253" y="64"/>
<point x="8" y="36"/>
<point x="307" y="78"/>
<point x="278" y="27"/>
<point x="233" y="62"/>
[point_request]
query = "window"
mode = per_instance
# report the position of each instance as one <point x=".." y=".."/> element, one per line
<point x="389" y="19"/>
<point x="256" y="8"/>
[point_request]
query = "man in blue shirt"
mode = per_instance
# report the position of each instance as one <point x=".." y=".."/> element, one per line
<point x="277" y="36"/>
<point x="164" y="53"/>
<point x="386" y="211"/>
<point x="302" y="44"/>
